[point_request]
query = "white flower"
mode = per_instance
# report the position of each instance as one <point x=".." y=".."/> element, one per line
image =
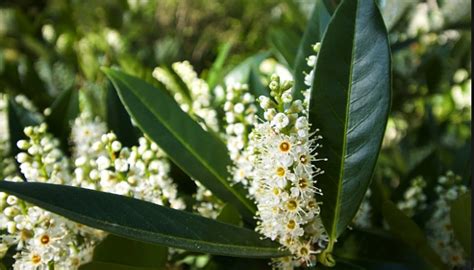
<point x="280" y="121"/>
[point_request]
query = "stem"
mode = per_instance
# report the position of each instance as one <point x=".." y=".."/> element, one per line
<point x="326" y="257"/>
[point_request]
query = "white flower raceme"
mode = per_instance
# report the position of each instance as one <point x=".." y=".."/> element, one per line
<point x="414" y="199"/>
<point x="240" y="116"/>
<point x="199" y="102"/>
<point x="440" y="231"/>
<point x="283" y="175"/>
<point x="42" y="239"/>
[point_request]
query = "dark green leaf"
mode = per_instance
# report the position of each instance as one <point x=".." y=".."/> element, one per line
<point x="284" y="45"/>
<point x="185" y="142"/>
<point x="63" y="111"/>
<point x="18" y="119"/>
<point x="230" y="215"/>
<point x="247" y="72"/>
<point x="314" y="32"/>
<point x="363" y="248"/>
<point x="350" y="102"/>
<point x="118" y="119"/>
<point x="461" y="221"/>
<point x="111" y="266"/>
<point x="144" y="221"/>
<point x="123" y="251"/>
<point x="407" y="231"/>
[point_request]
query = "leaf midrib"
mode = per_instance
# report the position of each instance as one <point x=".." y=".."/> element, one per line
<point x="216" y="174"/>
<point x="344" y="145"/>
<point x="81" y="218"/>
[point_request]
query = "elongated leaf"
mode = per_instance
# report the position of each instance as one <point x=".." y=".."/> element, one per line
<point x="363" y="248"/>
<point x="18" y="119"/>
<point x="247" y="72"/>
<point x="284" y="45"/>
<point x="350" y="102"/>
<point x="407" y="231"/>
<point x="112" y="266"/>
<point x="461" y="221"/>
<point x="118" y="120"/>
<point x="215" y="72"/>
<point x="144" y="221"/>
<point x="64" y="110"/>
<point x="198" y="153"/>
<point x="314" y="32"/>
<point x="123" y="251"/>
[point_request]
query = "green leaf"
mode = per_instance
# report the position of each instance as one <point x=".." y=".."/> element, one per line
<point x="314" y="32"/>
<point x="111" y="266"/>
<point x="215" y="73"/>
<point x="407" y="231"/>
<point x="363" y="248"/>
<point x="350" y="102"/>
<point x="18" y="119"/>
<point x="461" y="221"/>
<point x="143" y="221"/>
<point x="284" y="45"/>
<point x="63" y="111"/>
<point x="118" y="119"/>
<point x="123" y="251"/>
<point x="230" y="215"/>
<point x="185" y="142"/>
<point x="248" y="72"/>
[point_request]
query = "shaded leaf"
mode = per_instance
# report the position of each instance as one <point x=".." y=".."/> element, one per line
<point x="123" y="251"/>
<point x="284" y="45"/>
<point x="119" y="121"/>
<point x="111" y="266"/>
<point x="407" y="231"/>
<point x="185" y="142"/>
<point x="63" y="111"/>
<point x="314" y="32"/>
<point x="363" y="248"/>
<point x="230" y="215"/>
<point x="461" y="221"/>
<point x="144" y="221"/>
<point x="247" y="72"/>
<point x="350" y="102"/>
<point x="18" y="119"/>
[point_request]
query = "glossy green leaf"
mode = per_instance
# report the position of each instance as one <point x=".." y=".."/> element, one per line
<point x="314" y="32"/>
<point x="407" y="231"/>
<point x="123" y="251"/>
<point x="350" y="102"/>
<point x="185" y="142"/>
<point x="143" y="221"/>
<point x="461" y="221"/>
<point x="63" y="111"/>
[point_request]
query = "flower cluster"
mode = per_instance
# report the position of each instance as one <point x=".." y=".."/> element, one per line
<point x="414" y="199"/>
<point x="440" y="231"/>
<point x="198" y="102"/>
<point x="240" y="117"/>
<point x="41" y="238"/>
<point x="309" y="77"/>
<point x="284" y="175"/>
<point x="100" y="162"/>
